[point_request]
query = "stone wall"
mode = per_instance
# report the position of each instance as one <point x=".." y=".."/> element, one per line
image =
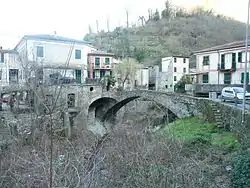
<point x="231" y="116"/>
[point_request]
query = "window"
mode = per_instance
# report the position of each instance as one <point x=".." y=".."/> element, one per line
<point x="1" y="72"/>
<point x="39" y="51"/>
<point x="175" y="69"/>
<point x="233" y="60"/>
<point x="205" y="79"/>
<point x="184" y="70"/>
<point x="97" y="61"/>
<point x="71" y="100"/>
<point x="175" y="60"/>
<point x="107" y="61"/>
<point x="184" y="60"/>
<point x="242" y="77"/>
<point x="222" y="61"/>
<point x="2" y="58"/>
<point x="205" y="60"/>
<point x="13" y="76"/>
<point x="78" y="54"/>
<point x="240" y="57"/>
<point x="175" y="78"/>
<point x="227" y="78"/>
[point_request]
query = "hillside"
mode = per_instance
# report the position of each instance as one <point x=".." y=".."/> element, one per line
<point x="177" y="34"/>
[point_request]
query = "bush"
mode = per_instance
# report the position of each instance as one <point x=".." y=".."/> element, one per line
<point x="180" y="86"/>
<point x="240" y="176"/>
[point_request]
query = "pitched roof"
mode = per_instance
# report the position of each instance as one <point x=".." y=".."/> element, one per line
<point x="236" y="44"/>
<point x="99" y="52"/>
<point x="55" y="38"/>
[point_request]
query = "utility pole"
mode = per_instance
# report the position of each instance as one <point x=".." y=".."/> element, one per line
<point x="245" y="68"/>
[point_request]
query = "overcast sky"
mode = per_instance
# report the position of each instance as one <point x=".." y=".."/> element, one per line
<point x="70" y="18"/>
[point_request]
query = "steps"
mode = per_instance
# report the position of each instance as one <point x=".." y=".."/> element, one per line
<point x="217" y="116"/>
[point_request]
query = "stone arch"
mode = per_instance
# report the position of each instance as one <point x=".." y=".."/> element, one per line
<point x="99" y="107"/>
<point x="108" y="116"/>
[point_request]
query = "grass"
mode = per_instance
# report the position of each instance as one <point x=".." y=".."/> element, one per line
<point x="195" y="131"/>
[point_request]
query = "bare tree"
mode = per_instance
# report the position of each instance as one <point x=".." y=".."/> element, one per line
<point x="125" y="71"/>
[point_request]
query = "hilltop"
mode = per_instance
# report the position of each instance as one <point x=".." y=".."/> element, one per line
<point x="175" y="32"/>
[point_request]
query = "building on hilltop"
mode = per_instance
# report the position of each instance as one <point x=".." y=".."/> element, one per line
<point x="220" y="66"/>
<point x="175" y="67"/>
<point x="52" y="55"/>
<point x="10" y="69"/>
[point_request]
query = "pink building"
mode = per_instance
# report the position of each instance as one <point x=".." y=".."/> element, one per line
<point x="99" y="64"/>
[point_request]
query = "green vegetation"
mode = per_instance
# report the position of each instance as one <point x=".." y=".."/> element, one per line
<point x="195" y="131"/>
<point x="240" y="176"/>
<point x="180" y="85"/>
<point x="174" y="31"/>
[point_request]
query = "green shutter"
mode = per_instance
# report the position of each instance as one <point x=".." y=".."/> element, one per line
<point x="205" y="78"/>
<point x="107" y="60"/>
<point x="227" y="78"/>
<point x="97" y="61"/>
<point x="242" y="77"/>
<point x="233" y="60"/>
<point x="222" y="66"/>
<point x="239" y="56"/>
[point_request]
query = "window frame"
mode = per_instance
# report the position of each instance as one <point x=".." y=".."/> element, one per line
<point x="2" y="57"/>
<point x="233" y="60"/>
<point x="97" y="65"/>
<point x="206" y="60"/>
<point x="239" y="57"/>
<point x="77" y="55"/>
<point x="222" y="61"/>
<point x="242" y="77"/>
<point x="108" y="60"/>
<point x="227" y="82"/>
<point x="207" y="81"/>
<point x="37" y="47"/>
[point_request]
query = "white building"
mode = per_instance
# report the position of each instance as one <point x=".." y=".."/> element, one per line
<point x="142" y="77"/>
<point x="175" y="67"/>
<point x="221" y="65"/>
<point x="10" y="69"/>
<point x="55" y="54"/>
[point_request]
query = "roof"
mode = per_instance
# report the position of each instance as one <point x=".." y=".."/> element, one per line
<point x="98" y="52"/>
<point x="236" y="44"/>
<point x="52" y="38"/>
<point x="9" y="51"/>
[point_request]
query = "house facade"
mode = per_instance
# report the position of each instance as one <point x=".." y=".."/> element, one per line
<point x="175" y="68"/>
<point x="222" y="65"/>
<point x="55" y="55"/>
<point x="100" y="64"/>
<point x="10" y="69"/>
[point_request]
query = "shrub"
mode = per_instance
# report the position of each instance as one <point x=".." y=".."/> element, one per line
<point x="240" y="176"/>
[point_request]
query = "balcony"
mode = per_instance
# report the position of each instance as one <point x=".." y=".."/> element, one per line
<point x="222" y="68"/>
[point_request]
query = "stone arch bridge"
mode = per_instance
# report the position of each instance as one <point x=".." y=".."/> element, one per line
<point x="105" y="106"/>
<point x="94" y="103"/>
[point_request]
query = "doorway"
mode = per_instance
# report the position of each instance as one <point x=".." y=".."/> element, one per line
<point x="78" y="76"/>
